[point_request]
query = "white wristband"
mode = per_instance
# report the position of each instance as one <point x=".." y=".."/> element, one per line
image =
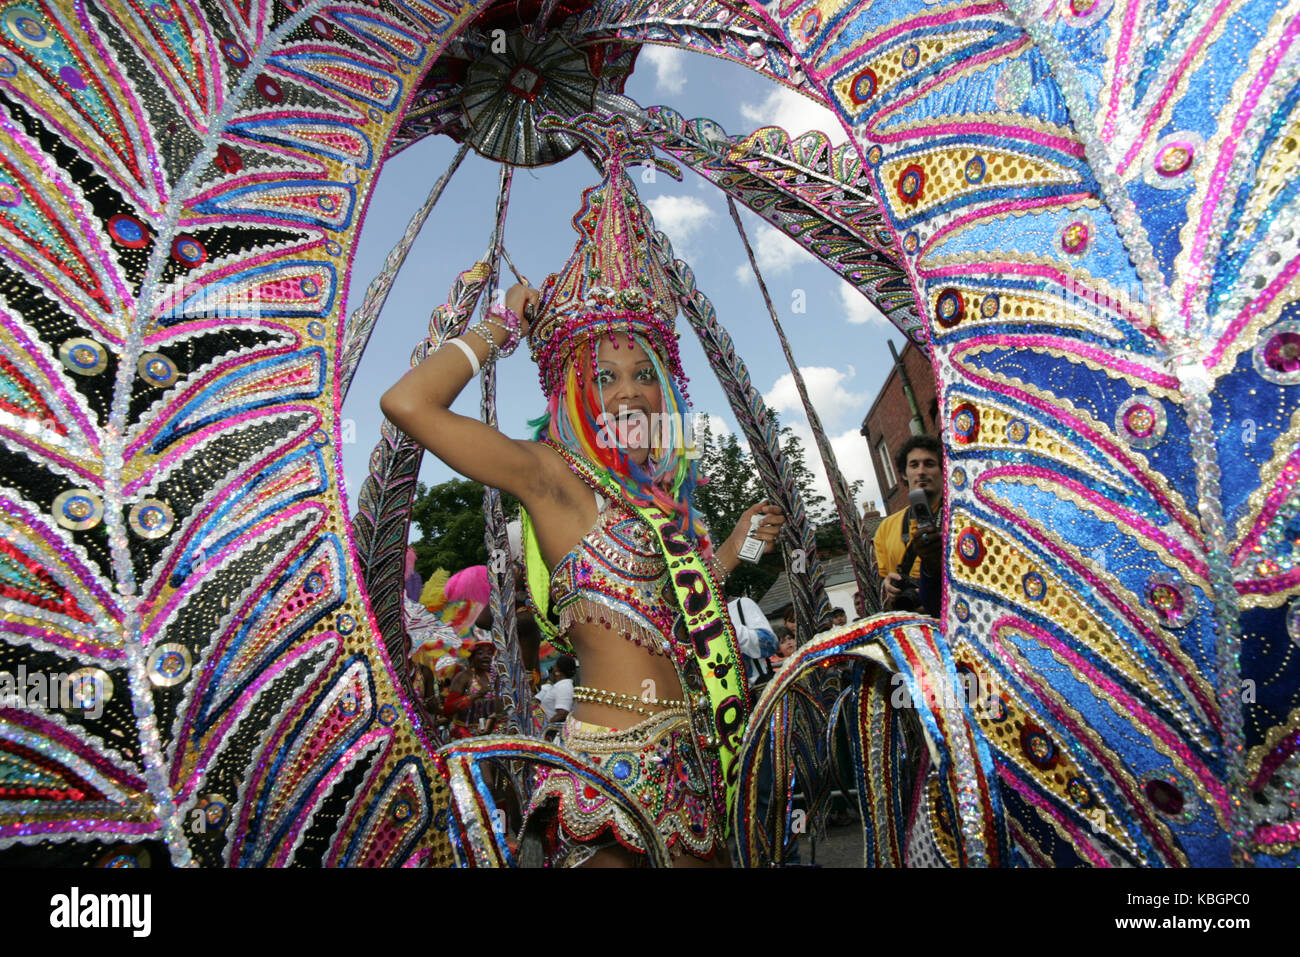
<point x="469" y="354"/>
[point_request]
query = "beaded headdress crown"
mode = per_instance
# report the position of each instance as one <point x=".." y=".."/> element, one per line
<point x="614" y="281"/>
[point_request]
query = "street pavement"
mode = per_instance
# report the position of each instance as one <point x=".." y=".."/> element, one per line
<point x="842" y="847"/>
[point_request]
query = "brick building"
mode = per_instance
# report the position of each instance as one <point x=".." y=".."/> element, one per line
<point x="894" y="417"/>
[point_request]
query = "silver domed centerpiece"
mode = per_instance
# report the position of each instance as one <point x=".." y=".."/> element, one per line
<point x="512" y="84"/>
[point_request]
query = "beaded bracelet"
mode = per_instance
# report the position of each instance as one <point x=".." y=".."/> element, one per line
<point x="512" y="335"/>
<point x="512" y="327"/>
<point x="484" y="332"/>
<point x="490" y="324"/>
<point x="719" y="570"/>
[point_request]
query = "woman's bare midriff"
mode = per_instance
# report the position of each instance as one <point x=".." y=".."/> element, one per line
<point x="615" y="664"/>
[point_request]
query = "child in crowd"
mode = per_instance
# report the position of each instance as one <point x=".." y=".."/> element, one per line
<point x="784" y="650"/>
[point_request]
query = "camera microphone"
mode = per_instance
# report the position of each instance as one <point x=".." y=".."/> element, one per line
<point x="921" y="507"/>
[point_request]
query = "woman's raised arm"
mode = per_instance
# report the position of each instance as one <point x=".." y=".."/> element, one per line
<point x="419" y="405"/>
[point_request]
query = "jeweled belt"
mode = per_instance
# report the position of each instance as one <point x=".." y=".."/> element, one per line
<point x="627" y="702"/>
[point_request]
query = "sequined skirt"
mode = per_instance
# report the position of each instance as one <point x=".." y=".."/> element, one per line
<point x="655" y="762"/>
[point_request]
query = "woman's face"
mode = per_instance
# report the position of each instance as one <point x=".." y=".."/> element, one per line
<point x="632" y="396"/>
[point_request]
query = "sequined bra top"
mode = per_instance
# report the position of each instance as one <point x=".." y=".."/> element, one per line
<point x="616" y="577"/>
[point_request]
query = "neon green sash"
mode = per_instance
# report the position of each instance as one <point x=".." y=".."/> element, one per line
<point x="708" y="625"/>
<point x="538" y="579"/>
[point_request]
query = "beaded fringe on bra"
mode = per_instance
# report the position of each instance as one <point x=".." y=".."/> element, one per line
<point x="582" y="610"/>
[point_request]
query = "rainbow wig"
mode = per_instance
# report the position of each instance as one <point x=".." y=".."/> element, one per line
<point x="573" y="419"/>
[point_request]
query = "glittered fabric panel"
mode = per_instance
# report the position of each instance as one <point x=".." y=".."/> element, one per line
<point x="655" y="762"/>
<point x="1093" y="205"/>
<point x="178" y="184"/>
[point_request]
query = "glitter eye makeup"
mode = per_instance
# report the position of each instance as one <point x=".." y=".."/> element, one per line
<point x="644" y="375"/>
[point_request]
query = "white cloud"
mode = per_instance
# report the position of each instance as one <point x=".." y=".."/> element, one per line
<point x="794" y="113"/>
<point x="826" y="390"/>
<point x="719" y="427"/>
<point x="854" y="458"/>
<point x="859" y="310"/>
<point x="682" y="218"/>
<point x="775" y="252"/>
<point x="669" y="65"/>
<point x="851" y="455"/>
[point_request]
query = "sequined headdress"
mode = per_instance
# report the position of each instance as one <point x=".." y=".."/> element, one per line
<point x="613" y="283"/>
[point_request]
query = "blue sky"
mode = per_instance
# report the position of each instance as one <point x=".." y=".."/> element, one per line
<point x="839" y="342"/>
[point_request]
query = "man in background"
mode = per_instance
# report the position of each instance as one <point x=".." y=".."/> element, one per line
<point x="901" y="537"/>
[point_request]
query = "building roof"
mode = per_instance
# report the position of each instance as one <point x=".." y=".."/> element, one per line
<point x="838" y="571"/>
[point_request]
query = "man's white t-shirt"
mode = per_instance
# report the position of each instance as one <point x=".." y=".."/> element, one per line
<point x="562" y="698"/>
<point x="545" y="696"/>
<point x="752" y="630"/>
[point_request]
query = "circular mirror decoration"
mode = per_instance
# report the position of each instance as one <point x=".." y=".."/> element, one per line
<point x="1168" y="795"/>
<point x="156" y="369"/>
<point x="1141" y="421"/>
<point x="83" y="356"/>
<point x="90" y="689"/>
<point x="1172" y="600"/>
<point x="1174" y="161"/>
<point x="216" y="811"/>
<point x="78" y="509"/>
<point x="169" y="664"/>
<point x="1277" y="355"/>
<point x="151" y="518"/>
<point x="1074" y="237"/>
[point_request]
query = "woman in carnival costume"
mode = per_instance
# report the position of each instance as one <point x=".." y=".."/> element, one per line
<point x="621" y="571"/>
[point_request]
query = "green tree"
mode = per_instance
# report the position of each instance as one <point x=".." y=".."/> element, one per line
<point x="732" y="488"/>
<point x="732" y="483"/>
<point x="814" y="503"/>
<point x="450" y="519"/>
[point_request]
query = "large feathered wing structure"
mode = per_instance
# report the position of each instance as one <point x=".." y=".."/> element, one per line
<point x="180" y="185"/>
<point x="1093" y="203"/>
